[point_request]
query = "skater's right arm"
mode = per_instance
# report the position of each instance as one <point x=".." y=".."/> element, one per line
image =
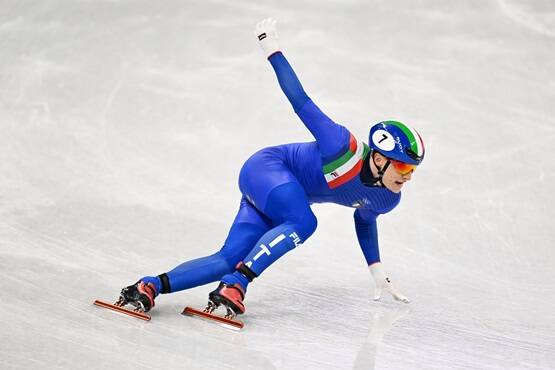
<point x="333" y="139"/>
<point x="367" y="233"/>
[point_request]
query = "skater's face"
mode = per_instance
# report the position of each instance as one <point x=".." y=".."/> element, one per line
<point x="392" y="178"/>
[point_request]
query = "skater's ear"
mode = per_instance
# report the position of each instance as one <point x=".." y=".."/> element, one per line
<point x="379" y="159"/>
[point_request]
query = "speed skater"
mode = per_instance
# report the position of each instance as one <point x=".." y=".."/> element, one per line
<point x="280" y="183"/>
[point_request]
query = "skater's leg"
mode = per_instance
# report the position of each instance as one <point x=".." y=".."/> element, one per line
<point x="289" y="209"/>
<point x="272" y="188"/>
<point x="248" y="226"/>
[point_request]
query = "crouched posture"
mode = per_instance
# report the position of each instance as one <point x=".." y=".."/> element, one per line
<point x="280" y="183"/>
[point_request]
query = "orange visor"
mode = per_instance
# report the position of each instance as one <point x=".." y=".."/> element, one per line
<point x="402" y="167"/>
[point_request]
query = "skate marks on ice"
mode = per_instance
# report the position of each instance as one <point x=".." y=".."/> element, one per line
<point x="538" y="20"/>
<point x="118" y="307"/>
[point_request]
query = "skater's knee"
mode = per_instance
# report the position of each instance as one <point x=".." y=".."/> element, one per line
<point x="309" y="224"/>
<point x="304" y="225"/>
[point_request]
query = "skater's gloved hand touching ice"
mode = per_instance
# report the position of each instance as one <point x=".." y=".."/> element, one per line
<point x="266" y="33"/>
<point x="382" y="283"/>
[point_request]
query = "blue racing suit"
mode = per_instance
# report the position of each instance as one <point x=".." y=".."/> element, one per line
<point x="279" y="184"/>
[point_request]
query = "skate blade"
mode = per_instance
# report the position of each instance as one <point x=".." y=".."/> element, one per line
<point x="113" y="307"/>
<point x="234" y="324"/>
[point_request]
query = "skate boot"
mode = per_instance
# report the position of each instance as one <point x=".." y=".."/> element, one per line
<point x="231" y="291"/>
<point x="139" y="295"/>
<point x="231" y="296"/>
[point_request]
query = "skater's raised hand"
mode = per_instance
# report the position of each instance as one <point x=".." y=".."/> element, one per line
<point x="382" y="283"/>
<point x="266" y="33"/>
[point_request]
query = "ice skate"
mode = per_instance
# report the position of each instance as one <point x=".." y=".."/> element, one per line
<point x="228" y="296"/>
<point x="139" y="295"/>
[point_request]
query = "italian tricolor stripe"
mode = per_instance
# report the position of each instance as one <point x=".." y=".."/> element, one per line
<point x="347" y="166"/>
<point x="416" y="143"/>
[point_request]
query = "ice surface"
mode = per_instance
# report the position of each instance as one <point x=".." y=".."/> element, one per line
<point x="123" y="125"/>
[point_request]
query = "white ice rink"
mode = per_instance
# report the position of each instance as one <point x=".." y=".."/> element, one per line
<point x="123" y="125"/>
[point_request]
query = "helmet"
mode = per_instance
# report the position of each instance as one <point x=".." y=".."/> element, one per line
<point x="397" y="141"/>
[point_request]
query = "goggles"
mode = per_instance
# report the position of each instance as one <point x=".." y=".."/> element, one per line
<point x="402" y="167"/>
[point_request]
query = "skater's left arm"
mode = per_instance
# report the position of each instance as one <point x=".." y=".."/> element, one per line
<point x="333" y="139"/>
<point x="367" y="233"/>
